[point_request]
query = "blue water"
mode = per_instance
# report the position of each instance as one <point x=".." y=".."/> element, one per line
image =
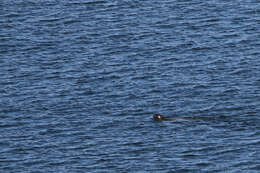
<point x="80" y="81"/>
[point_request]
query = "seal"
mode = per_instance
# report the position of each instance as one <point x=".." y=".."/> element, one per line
<point x="159" y="117"/>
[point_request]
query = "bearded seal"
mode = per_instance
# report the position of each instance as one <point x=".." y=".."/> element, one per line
<point x="159" y="117"/>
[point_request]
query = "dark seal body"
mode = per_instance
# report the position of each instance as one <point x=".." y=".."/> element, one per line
<point x="159" y="117"/>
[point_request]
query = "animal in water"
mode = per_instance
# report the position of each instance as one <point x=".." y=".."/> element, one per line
<point x="159" y="117"/>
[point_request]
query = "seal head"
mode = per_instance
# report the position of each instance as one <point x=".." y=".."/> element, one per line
<point x="158" y="117"/>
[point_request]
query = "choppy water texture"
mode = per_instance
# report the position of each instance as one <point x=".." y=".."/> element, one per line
<point x="80" y="81"/>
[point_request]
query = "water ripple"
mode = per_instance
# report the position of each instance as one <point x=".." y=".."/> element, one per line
<point x="81" y="80"/>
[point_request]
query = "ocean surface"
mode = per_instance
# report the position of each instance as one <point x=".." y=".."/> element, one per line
<point x="80" y="81"/>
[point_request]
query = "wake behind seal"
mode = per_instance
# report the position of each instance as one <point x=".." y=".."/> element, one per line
<point x="159" y="117"/>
